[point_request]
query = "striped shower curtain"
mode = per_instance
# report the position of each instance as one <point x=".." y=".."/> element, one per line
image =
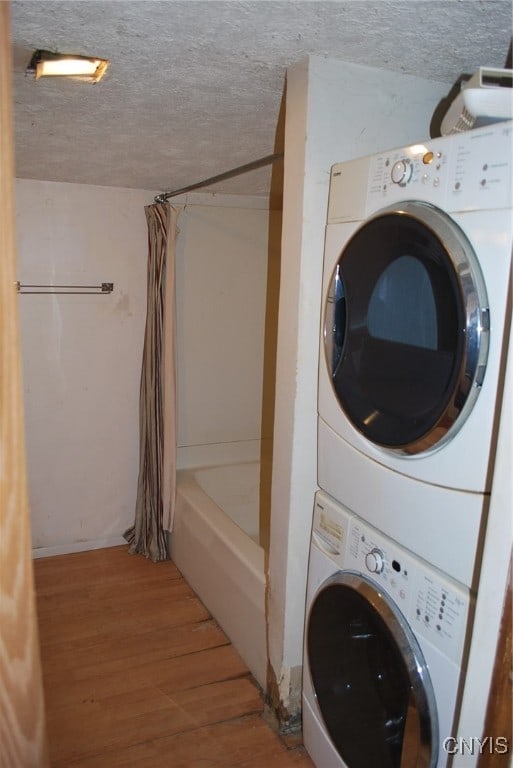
<point x="157" y="401"/>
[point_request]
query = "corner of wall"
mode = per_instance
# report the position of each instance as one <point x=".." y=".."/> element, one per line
<point x="283" y="699"/>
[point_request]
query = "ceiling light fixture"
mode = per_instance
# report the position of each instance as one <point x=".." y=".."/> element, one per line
<point x="48" y="64"/>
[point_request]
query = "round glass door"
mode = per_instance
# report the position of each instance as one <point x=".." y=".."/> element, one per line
<point x="370" y="679"/>
<point x="406" y="328"/>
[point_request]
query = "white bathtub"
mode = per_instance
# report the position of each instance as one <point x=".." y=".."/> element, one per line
<point x="214" y="544"/>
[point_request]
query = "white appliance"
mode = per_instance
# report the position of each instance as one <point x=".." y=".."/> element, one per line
<point x="415" y="289"/>
<point x="385" y="639"/>
<point x="487" y="97"/>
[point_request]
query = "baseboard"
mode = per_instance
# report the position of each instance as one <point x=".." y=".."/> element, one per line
<point x="77" y="546"/>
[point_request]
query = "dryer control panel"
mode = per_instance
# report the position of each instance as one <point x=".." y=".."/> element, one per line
<point x="419" y="172"/>
<point x="472" y="170"/>
<point x="436" y="606"/>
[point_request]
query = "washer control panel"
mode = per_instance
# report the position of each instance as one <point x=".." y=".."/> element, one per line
<point x="435" y="606"/>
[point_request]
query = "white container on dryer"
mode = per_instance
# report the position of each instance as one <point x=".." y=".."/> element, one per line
<point x="415" y="292"/>
<point x="385" y="642"/>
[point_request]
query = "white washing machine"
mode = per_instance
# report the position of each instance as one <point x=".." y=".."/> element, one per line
<point x="417" y="269"/>
<point x="385" y="639"/>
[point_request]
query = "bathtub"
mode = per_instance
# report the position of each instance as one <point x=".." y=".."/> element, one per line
<point x="214" y="544"/>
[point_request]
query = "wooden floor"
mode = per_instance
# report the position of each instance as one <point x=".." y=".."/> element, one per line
<point x="137" y="673"/>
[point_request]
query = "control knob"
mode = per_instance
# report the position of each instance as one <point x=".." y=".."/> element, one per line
<point x="375" y="561"/>
<point x="401" y="172"/>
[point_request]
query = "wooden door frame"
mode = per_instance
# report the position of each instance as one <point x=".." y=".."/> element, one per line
<point x="22" y="720"/>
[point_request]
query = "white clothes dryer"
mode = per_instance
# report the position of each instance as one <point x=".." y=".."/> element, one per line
<point x="417" y="266"/>
<point x="385" y="642"/>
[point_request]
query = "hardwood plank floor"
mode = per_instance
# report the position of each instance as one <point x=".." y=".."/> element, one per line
<point x="138" y="674"/>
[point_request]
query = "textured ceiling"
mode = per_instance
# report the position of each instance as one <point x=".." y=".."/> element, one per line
<point x="194" y="87"/>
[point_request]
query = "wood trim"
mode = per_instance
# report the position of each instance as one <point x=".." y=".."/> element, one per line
<point x="499" y="711"/>
<point x="22" y="722"/>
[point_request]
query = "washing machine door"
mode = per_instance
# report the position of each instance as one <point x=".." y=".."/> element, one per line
<point x="371" y="682"/>
<point x="406" y="328"/>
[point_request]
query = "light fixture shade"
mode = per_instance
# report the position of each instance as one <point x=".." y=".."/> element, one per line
<point x="48" y="64"/>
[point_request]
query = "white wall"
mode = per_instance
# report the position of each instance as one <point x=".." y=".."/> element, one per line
<point x="221" y="275"/>
<point x="81" y="359"/>
<point x="335" y="111"/>
<point x="82" y="354"/>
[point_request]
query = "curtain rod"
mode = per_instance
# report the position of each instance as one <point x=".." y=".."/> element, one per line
<point x="268" y="160"/>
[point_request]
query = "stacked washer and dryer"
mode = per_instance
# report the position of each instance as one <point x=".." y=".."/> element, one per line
<point x="417" y="270"/>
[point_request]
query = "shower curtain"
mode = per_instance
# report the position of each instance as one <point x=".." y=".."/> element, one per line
<point x="157" y="401"/>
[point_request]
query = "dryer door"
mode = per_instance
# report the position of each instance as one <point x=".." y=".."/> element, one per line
<point x="406" y="328"/>
<point x="370" y="679"/>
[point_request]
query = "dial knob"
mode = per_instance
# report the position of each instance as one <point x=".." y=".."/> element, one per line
<point x="375" y="561"/>
<point x="401" y="172"/>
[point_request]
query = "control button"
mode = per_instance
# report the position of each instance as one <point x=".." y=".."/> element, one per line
<point x="401" y="172"/>
<point x="374" y="561"/>
<point x="428" y="158"/>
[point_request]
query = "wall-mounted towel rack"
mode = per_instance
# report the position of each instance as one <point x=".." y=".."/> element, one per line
<point x="103" y="288"/>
